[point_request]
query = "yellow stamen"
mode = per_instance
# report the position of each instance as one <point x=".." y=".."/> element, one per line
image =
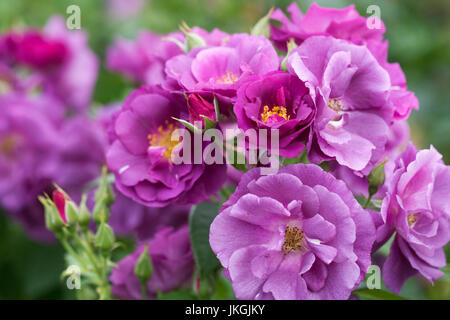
<point x="228" y="78"/>
<point x="8" y="144"/>
<point x="335" y="104"/>
<point x="276" y="110"/>
<point x="163" y="138"/>
<point x="412" y="218"/>
<point x="294" y="239"/>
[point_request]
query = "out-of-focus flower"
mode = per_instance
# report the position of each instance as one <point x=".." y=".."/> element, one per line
<point x="343" y="23"/>
<point x="416" y="207"/>
<point x="143" y="59"/>
<point x="59" y="61"/>
<point x="173" y="266"/>
<point x="131" y="218"/>
<point x="277" y="100"/>
<point x="38" y="147"/>
<point x="141" y="157"/>
<point x="219" y="69"/>
<point x="351" y="88"/>
<point x="298" y="234"/>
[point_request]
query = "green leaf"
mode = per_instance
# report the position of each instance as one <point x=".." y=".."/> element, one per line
<point x="188" y="125"/>
<point x="181" y="294"/>
<point x="200" y="221"/>
<point x="209" y="124"/>
<point x="375" y="294"/>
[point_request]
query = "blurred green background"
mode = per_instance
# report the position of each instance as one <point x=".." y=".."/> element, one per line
<point x="419" y="37"/>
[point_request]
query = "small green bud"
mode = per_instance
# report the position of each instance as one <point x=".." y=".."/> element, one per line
<point x="71" y="212"/>
<point x="101" y="212"/>
<point x="262" y="27"/>
<point x="48" y="213"/>
<point x="290" y="46"/>
<point x="83" y="213"/>
<point x="104" y="192"/>
<point x="143" y="268"/>
<point x="376" y="178"/>
<point x="193" y="40"/>
<point x="104" y="238"/>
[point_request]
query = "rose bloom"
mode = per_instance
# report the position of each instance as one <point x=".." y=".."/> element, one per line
<point x="38" y="147"/>
<point x="131" y="218"/>
<point x="141" y="156"/>
<point x="343" y="23"/>
<point x="351" y="90"/>
<point x="61" y="62"/>
<point x="219" y="69"/>
<point x="173" y="266"/>
<point x="416" y="207"/>
<point x="143" y="59"/>
<point x="348" y="25"/>
<point x="277" y="100"/>
<point x="298" y="234"/>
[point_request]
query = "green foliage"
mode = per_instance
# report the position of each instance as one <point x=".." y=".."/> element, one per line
<point x="376" y="294"/>
<point x="200" y="221"/>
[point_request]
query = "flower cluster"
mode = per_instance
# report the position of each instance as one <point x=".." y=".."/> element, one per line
<point x="318" y="84"/>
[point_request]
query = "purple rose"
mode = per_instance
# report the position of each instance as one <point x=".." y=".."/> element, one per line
<point x="219" y="69"/>
<point x="416" y="206"/>
<point x="143" y="59"/>
<point x="141" y="156"/>
<point x="173" y="266"/>
<point x="402" y="100"/>
<point x="61" y="62"/>
<point x="278" y="101"/>
<point x="299" y="234"/>
<point x="343" y="23"/>
<point x="131" y="218"/>
<point x="351" y="91"/>
<point x="28" y="150"/>
<point x="38" y="147"/>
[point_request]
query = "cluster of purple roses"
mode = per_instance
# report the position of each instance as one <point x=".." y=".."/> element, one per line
<point x="296" y="234"/>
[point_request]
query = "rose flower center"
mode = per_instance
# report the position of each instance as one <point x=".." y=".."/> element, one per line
<point x="277" y="111"/>
<point x="335" y="104"/>
<point x="8" y="145"/>
<point x="294" y="239"/>
<point x="227" y="78"/>
<point x="163" y="138"/>
<point x="412" y="218"/>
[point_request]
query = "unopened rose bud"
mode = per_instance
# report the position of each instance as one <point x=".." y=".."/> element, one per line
<point x="199" y="107"/>
<point x="104" y="238"/>
<point x="53" y="221"/>
<point x="71" y="212"/>
<point x="376" y="178"/>
<point x="143" y="268"/>
<point x="83" y="213"/>
<point x="101" y="212"/>
<point x="59" y="199"/>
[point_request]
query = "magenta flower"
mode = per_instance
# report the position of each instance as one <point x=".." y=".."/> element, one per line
<point x="38" y="147"/>
<point x="299" y="234"/>
<point x="173" y="266"/>
<point x="219" y="69"/>
<point x="61" y="62"/>
<point x="402" y="100"/>
<point x="277" y="100"/>
<point x="131" y="218"/>
<point x="416" y="207"/>
<point x="351" y="90"/>
<point x="343" y="23"/>
<point x="141" y="157"/>
<point x="143" y="59"/>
